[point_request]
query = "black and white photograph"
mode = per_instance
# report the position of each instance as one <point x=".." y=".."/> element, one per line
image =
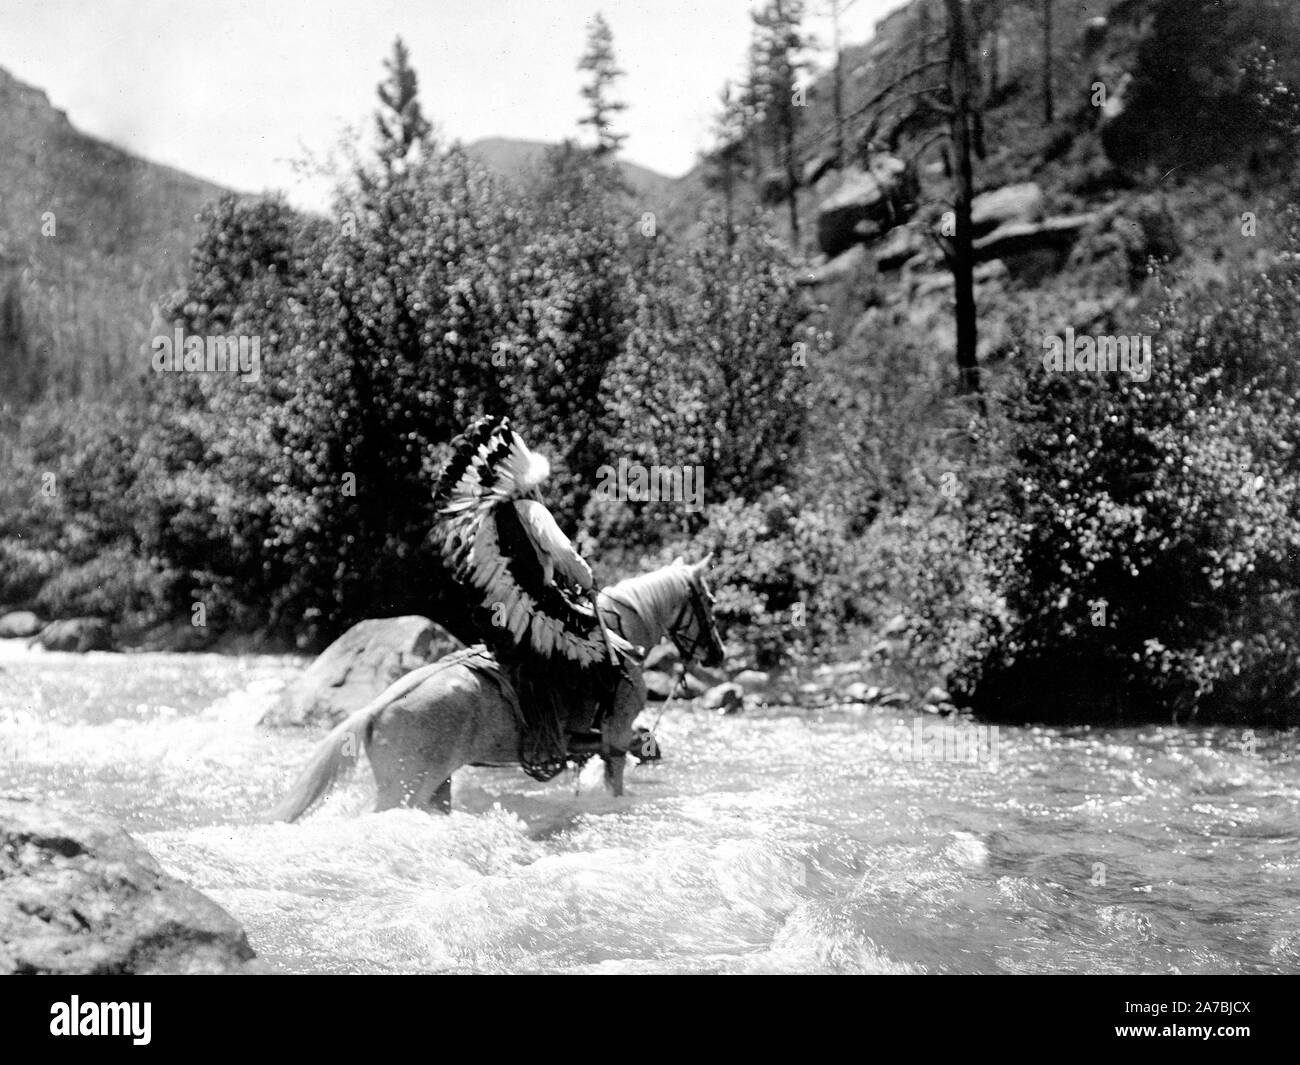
<point x="650" y="487"/>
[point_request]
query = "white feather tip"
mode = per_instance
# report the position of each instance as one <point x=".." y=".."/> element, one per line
<point x="530" y="468"/>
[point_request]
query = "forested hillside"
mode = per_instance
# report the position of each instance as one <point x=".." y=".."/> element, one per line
<point x="840" y="317"/>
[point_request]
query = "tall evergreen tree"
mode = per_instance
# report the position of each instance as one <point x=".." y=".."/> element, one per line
<point x="400" y="121"/>
<point x="781" y="45"/>
<point x="725" y="161"/>
<point x="599" y="61"/>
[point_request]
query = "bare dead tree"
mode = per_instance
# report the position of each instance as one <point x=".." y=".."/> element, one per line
<point x="953" y="105"/>
<point x="1049" y="108"/>
<point x="963" y="257"/>
<point x="837" y="80"/>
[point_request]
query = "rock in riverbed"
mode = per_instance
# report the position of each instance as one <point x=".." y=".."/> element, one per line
<point x="19" y="624"/>
<point x="358" y="666"/>
<point x="753" y="681"/>
<point x="80" y="896"/>
<point x="75" y="634"/>
<point x="725" y="699"/>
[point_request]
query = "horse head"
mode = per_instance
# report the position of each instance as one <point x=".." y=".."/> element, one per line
<point x="695" y="632"/>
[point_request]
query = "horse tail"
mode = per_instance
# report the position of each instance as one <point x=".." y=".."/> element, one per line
<point x="338" y="750"/>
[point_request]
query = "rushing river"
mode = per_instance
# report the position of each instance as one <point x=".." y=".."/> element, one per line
<point x="779" y="841"/>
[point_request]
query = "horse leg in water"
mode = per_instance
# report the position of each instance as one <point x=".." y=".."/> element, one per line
<point x="616" y="731"/>
<point x="454" y="718"/>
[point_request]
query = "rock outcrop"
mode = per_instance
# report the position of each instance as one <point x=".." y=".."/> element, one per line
<point x="358" y="666"/>
<point x="80" y="896"/>
<point x="1009" y="205"/>
<point x="1033" y="248"/>
<point x="867" y="203"/>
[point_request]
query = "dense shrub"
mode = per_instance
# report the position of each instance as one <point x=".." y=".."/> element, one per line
<point x="719" y="363"/>
<point x="73" y="515"/>
<point x="1204" y="84"/>
<point x="1145" y="535"/>
<point x="782" y="573"/>
<point x="300" y="499"/>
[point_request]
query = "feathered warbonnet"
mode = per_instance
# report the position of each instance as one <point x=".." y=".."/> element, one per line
<point x="521" y="577"/>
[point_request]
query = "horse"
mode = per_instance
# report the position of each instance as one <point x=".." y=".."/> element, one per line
<point x="459" y="710"/>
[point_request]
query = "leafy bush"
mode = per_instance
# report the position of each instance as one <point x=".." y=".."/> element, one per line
<point x="1144" y="535"/>
<point x="717" y="368"/>
<point x="782" y="574"/>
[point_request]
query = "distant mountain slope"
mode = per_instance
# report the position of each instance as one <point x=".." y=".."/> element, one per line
<point x="90" y="237"/>
<point x="515" y="159"/>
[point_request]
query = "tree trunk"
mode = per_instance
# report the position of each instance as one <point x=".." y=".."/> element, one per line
<point x="792" y="184"/>
<point x="995" y="48"/>
<point x="963" y="258"/>
<point x="923" y="32"/>
<point x="838" y="87"/>
<point x="1049" y="109"/>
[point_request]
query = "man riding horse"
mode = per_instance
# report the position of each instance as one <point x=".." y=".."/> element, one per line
<point x="524" y="592"/>
<point x="550" y="682"/>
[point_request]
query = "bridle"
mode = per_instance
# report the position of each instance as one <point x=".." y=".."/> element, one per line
<point x="692" y="608"/>
<point x="694" y="603"/>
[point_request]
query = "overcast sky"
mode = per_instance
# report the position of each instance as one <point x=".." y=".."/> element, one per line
<point x="235" y="90"/>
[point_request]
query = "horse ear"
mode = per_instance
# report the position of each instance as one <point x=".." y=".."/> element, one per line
<point x="679" y="561"/>
<point x="704" y="563"/>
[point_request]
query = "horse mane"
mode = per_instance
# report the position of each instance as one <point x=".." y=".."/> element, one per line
<point x="654" y="595"/>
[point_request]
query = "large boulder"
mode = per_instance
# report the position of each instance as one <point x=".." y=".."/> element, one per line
<point x="724" y="699"/>
<point x="903" y="244"/>
<point x="358" y="666"/>
<point x="867" y="203"/>
<point x="78" y="896"/>
<point x="841" y="267"/>
<point x="1009" y="205"/>
<point x="19" y="624"/>
<point x="1032" y="250"/>
<point x="753" y="681"/>
<point x="75" y="634"/>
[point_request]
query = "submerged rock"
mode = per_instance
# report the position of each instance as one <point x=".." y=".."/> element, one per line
<point x="753" y="681"/>
<point x="358" y="666"/>
<point x="80" y="896"/>
<point x="75" y="634"/>
<point x="725" y="699"/>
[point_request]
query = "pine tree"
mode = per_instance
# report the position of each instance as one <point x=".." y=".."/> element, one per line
<point x="780" y="49"/>
<point x="726" y="160"/>
<point x="401" y="123"/>
<point x="599" y="61"/>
